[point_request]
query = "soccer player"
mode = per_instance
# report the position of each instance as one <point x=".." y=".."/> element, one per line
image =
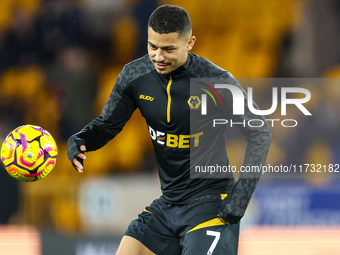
<point x="193" y="215"/>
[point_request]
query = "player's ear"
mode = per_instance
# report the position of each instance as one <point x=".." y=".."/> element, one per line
<point x="191" y="43"/>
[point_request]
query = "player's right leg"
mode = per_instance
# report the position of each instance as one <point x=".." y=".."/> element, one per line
<point x="131" y="246"/>
<point x="150" y="233"/>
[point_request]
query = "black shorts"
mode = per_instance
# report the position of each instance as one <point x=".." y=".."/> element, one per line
<point x="190" y="229"/>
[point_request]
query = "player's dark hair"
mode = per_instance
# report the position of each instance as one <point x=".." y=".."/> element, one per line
<point x="170" y="19"/>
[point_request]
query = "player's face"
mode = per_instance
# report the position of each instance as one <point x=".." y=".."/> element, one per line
<point x="168" y="51"/>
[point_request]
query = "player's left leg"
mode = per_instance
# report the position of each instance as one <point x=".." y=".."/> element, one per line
<point x="212" y="240"/>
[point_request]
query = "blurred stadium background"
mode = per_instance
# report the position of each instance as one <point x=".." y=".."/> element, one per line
<point x="58" y="63"/>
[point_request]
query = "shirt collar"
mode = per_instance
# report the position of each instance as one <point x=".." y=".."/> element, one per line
<point x="180" y="69"/>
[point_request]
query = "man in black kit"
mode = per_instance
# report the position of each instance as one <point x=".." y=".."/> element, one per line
<point x="193" y="215"/>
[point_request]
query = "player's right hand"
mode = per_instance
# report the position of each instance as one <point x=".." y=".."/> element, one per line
<point x="78" y="160"/>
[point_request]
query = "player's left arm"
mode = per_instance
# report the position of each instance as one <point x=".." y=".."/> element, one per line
<point x="258" y="138"/>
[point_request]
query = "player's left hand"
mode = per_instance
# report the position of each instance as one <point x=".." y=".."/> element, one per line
<point x="229" y="218"/>
<point x="230" y="213"/>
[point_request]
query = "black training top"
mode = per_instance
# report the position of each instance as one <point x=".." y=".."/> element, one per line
<point x="180" y="133"/>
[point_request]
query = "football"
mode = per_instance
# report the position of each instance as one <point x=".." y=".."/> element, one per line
<point x="29" y="153"/>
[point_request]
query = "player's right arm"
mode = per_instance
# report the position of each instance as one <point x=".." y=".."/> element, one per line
<point x="116" y="112"/>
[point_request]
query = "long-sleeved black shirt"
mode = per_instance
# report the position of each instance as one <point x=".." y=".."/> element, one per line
<point x="182" y="137"/>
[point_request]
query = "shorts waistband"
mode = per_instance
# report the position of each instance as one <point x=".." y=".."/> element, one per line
<point x="205" y="197"/>
<point x="209" y="197"/>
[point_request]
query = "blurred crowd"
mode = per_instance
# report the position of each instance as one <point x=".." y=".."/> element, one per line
<point x="58" y="63"/>
<point x="59" y="60"/>
<point x="53" y="52"/>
